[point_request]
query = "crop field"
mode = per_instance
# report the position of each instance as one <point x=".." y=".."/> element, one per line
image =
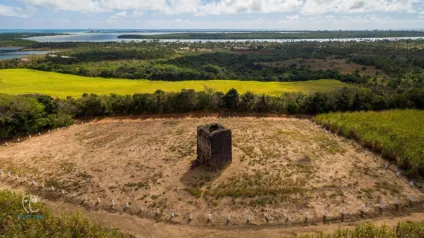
<point x="281" y="168"/>
<point x="25" y="81"/>
<point x="397" y="134"/>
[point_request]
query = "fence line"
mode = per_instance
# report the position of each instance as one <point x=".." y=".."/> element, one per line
<point x="186" y="217"/>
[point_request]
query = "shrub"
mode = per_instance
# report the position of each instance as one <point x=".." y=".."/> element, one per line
<point x="46" y="225"/>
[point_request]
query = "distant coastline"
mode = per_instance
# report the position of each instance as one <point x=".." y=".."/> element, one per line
<point x="278" y="35"/>
<point x="205" y="35"/>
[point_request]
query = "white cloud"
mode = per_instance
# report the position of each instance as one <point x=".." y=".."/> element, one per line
<point x="116" y="16"/>
<point x="197" y="7"/>
<point x="221" y="7"/>
<point x="327" y="22"/>
<point x="121" y="14"/>
<point x="10" y="11"/>
<point x="358" y="6"/>
<point x="293" y="18"/>
<point x="83" y="6"/>
<point x="65" y="21"/>
<point x="181" y="6"/>
<point x="137" y="13"/>
<point x="91" y="6"/>
<point x="153" y="5"/>
<point x="248" y="6"/>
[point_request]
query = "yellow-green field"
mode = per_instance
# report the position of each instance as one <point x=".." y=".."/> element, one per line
<point x="397" y="134"/>
<point x="25" y="81"/>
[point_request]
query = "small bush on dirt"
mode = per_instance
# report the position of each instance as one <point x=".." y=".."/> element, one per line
<point x="196" y="192"/>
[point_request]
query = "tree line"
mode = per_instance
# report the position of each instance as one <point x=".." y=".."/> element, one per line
<point x="29" y="114"/>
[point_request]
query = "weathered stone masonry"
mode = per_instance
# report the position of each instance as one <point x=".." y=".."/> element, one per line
<point x="214" y="148"/>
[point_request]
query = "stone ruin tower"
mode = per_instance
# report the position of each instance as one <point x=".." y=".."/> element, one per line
<point x="214" y="147"/>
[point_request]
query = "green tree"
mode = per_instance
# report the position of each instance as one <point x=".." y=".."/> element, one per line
<point x="231" y="99"/>
<point x="247" y="102"/>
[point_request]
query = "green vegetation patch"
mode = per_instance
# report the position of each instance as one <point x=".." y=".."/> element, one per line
<point x="196" y="192"/>
<point x="397" y="134"/>
<point x="367" y="230"/>
<point x="24" y="81"/>
<point x="20" y="115"/>
<point x="44" y="223"/>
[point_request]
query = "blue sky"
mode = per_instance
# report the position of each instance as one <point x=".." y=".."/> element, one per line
<point x="212" y="14"/>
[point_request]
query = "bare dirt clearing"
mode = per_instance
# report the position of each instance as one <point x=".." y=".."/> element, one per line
<point x="281" y="167"/>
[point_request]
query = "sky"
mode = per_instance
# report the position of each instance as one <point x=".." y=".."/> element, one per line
<point x="213" y="14"/>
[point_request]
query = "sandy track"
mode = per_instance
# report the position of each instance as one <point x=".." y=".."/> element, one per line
<point x="141" y="227"/>
<point x="146" y="228"/>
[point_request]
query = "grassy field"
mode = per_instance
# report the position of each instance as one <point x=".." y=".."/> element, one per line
<point x="25" y="81"/>
<point x="44" y="223"/>
<point x="397" y="134"/>
<point x="367" y="230"/>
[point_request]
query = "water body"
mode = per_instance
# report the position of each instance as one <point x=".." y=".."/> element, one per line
<point x="82" y="37"/>
<point x="134" y="30"/>
<point x="98" y="36"/>
<point x="56" y="31"/>
<point x="15" y="52"/>
<point x="5" y="49"/>
<point x="113" y="37"/>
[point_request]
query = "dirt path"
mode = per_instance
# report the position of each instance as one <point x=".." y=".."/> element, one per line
<point x="142" y="227"/>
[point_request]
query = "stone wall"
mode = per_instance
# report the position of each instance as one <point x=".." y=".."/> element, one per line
<point x="214" y="148"/>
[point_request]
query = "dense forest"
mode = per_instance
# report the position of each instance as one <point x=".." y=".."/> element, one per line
<point x="278" y="35"/>
<point x="29" y="114"/>
<point x="395" y="64"/>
